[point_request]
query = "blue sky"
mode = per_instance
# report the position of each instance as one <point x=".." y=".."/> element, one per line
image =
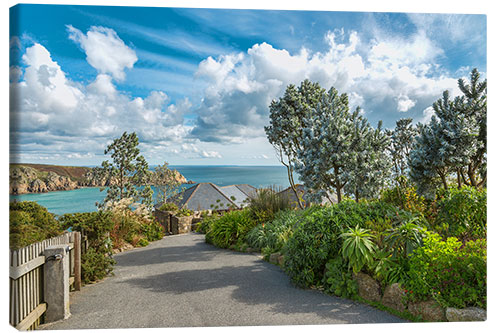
<point x="195" y="84"/>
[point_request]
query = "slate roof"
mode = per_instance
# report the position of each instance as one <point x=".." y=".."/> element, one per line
<point x="239" y="194"/>
<point x="301" y="190"/>
<point x="208" y="196"/>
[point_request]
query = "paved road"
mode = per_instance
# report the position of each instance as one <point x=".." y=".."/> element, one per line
<point x="182" y="281"/>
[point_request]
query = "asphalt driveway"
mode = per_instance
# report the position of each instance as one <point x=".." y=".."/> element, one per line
<point x="181" y="281"/>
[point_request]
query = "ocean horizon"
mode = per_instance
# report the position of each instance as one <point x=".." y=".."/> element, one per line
<point x="84" y="199"/>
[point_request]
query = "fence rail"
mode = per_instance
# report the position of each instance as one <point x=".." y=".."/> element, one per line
<point x="27" y="304"/>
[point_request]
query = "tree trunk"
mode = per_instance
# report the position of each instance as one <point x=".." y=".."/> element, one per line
<point x="338" y="185"/>
<point x="443" y="179"/>
<point x="459" y="179"/>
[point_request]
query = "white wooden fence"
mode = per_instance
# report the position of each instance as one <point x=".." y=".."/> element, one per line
<point x="27" y="304"/>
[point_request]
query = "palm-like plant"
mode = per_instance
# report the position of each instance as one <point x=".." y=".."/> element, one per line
<point x="404" y="239"/>
<point x="358" y="248"/>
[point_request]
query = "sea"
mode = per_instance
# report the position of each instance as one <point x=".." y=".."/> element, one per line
<point x="84" y="199"/>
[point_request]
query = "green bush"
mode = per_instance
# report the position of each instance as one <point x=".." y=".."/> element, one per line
<point x="405" y="197"/>
<point x="357" y="248"/>
<point x="230" y="228"/>
<point x="184" y="212"/>
<point x="29" y="223"/>
<point x="462" y="213"/>
<point x="451" y="273"/>
<point x="317" y="237"/>
<point x="402" y="240"/>
<point x="168" y="207"/>
<point x="266" y="204"/>
<point x="275" y="234"/>
<point x="96" y="265"/>
<point x="152" y="231"/>
<point x="207" y="220"/>
<point x="338" y="278"/>
<point x="97" y="262"/>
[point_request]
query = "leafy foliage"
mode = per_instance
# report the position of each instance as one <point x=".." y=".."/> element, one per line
<point x="462" y="213"/>
<point x="266" y="204"/>
<point x="358" y="248"/>
<point x="338" y="278"/>
<point x="97" y="262"/>
<point x="274" y="235"/>
<point x="166" y="183"/>
<point x="405" y="238"/>
<point x="287" y="117"/>
<point x="402" y="139"/>
<point x="451" y="273"/>
<point x="127" y="174"/>
<point x="454" y="142"/>
<point x="29" y="223"/>
<point x="229" y="228"/>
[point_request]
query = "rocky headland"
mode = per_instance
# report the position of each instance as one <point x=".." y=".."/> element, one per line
<point x="41" y="178"/>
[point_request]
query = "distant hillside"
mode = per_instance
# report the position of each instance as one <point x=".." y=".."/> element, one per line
<point x="40" y="178"/>
<point x="74" y="173"/>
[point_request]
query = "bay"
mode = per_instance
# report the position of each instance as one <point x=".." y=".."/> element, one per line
<point x="84" y="199"/>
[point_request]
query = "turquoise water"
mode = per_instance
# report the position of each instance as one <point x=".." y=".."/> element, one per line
<point x="84" y="199"/>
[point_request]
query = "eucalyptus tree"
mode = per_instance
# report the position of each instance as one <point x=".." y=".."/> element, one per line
<point x="287" y="116"/>
<point x="127" y="173"/>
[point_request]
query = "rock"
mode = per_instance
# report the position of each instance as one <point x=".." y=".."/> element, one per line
<point x="467" y="314"/>
<point x="250" y="250"/>
<point x="368" y="288"/>
<point x="429" y="310"/>
<point x="273" y="258"/>
<point x="393" y="297"/>
<point x="281" y="260"/>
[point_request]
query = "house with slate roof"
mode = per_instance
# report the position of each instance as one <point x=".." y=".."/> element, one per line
<point x="208" y="196"/>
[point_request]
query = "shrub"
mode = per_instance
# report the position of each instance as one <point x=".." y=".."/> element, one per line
<point x="275" y="234"/>
<point x="229" y="228"/>
<point x="184" y="212"/>
<point x="266" y="204"/>
<point x="357" y="248"/>
<point x="152" y="231"/>
<point x="338" y="278"/>
<point x="168" y="207"/>
<point x="207" y="220"/>
<point x="402" y="240"/>
<point x="405" y="197"/>
<point x="29" y="223"/>
<point x="451" y="273"/>
<point x="462" y="213"/>
<point x="96" y="265"/>
<point x="97" y="261"/>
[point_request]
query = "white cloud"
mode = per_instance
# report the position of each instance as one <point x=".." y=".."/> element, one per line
<point x="404" y="103"/>
<point x="427" y="115"/>
<point x="210" y="154"/>
<point x="383" y="77"/>
<point x="105" y="51"/>
<point x="50" y="112"/>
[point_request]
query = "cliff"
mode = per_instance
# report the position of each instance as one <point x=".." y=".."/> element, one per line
<point x="40" y="178"/>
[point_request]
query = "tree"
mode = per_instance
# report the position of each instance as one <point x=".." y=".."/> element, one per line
<point x="325" y="149"/>
<point x="127" y="174"/>
<point x="402" y="139"/>
<point x="287" y="117"/>
<point x="340" y="152"/>
<point x="454" y="142"/>
<point x="166" y="182"/>
<point x="369" y="167"/>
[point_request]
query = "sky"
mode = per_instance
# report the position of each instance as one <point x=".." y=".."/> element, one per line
<point x="196" y="84"/>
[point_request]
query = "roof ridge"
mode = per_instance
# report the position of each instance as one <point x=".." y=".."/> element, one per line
<point x="189" y="198"/>
<point x="218" y="190"/>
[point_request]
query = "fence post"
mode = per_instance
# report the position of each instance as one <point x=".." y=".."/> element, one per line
<point x="56" y="283"/>
<point x="78" y="262"/>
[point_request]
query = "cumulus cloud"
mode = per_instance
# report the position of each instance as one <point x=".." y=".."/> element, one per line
<point x="50" y="112"/>
<point x="383" y="77"/>
<point x="105" y="51"/>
